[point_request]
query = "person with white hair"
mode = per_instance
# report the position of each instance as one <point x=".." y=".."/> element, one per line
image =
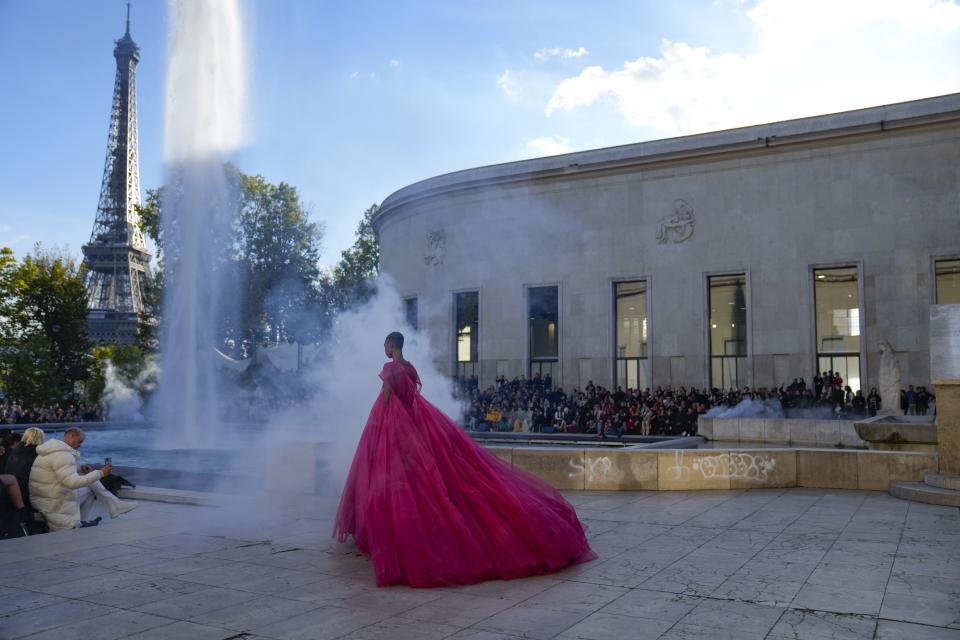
<point x="63" y="496"/>
<point x="19" y="462"/>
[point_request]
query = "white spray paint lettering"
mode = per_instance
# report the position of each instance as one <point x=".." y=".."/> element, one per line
<point x="593" y="468"/>
<point x="729" y="465"/>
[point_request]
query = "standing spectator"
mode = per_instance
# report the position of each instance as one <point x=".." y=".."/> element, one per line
<point x="874" y="404"/>
<point x="923" y="401"/>
<point x="859" y="403"/>
<point x="911" y="401"/>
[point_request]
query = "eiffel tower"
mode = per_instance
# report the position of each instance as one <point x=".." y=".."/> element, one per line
<point x="116" y="259"/>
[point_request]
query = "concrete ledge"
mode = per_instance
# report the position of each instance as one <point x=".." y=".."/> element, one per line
<point x="698" y="469"/>
<point x="827" y="469"/>
<point x="504" y="453"/>
<point x="876" y="470"/>
<point x="174" y="496"/>
<point x="620" y="470"/>
<point x="561" y="468"/>
<point x="689" y="470"/>
<point x="766" y="468"/>
<point x="673" y="470"/>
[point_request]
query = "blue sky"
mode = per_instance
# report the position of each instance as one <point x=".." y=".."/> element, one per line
<point x="353" y="100"/>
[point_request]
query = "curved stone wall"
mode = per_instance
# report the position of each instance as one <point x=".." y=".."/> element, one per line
<point x="876" y="189"/>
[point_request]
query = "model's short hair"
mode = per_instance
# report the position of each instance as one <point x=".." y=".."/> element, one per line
<point x="32" y="436"/>
<point x="74" y="430"/>
<point x="396" y="339"/>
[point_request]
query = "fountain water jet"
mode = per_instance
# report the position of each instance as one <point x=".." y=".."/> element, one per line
<point x="205" y="97"/>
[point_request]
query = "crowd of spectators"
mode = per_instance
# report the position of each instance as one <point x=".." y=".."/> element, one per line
<point x="16" y="414"/>
<point x="536" y="405"/>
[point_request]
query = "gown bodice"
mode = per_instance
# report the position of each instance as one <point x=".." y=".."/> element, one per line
<point x="402" y="379"/>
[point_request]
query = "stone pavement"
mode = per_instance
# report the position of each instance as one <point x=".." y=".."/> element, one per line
<point x="791" y="563"/>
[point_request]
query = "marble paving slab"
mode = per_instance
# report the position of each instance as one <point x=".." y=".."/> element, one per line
<point x="769" y="564"/>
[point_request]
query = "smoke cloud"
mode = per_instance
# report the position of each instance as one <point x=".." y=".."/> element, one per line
<point x="123" y="398"/>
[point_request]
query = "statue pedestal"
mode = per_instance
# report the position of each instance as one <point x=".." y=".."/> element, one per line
<point x="945" y="376"/>
<point x="942" y="488"/>
<point x="948" y="425"/>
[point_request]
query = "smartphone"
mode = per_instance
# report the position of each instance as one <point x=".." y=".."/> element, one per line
<point x="108" y="460"/>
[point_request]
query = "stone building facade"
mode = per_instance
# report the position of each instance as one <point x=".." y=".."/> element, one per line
<point x="813" y="239"/>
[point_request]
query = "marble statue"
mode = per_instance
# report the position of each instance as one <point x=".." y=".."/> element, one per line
<point x="889" y="381"/>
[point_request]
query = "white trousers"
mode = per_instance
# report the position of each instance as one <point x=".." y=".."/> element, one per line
<point x="87" y="495"/>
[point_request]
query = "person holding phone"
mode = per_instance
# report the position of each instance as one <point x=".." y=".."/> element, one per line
<point x="63" y="496"/>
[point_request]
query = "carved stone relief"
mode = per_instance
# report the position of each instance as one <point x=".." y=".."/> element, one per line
<point x="436" y="247"/>
<point x="678" y="226"/>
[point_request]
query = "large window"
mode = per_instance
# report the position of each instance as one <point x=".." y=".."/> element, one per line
<point x="630" y="301"/>
<point x="947" y="281"/>
<point x="544" y="330"/>
<point x="467" y="307"/>
<point x="728" y="331"/>
<point x="837" y="304"/>
<point x="410" y="310"/>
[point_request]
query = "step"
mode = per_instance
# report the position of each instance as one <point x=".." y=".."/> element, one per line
<point x="942" y="481"/>
<point x="174" y="496"/>
<point x="920" y="492"/>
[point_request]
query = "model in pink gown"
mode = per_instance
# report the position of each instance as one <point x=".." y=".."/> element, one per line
<point x="433" y="509"/>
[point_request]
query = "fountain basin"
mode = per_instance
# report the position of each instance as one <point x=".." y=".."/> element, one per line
<point x="792" y="432"/>
<point x="899" y="433"/>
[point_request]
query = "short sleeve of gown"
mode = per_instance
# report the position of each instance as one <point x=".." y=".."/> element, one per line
<point x="387" y="374"/>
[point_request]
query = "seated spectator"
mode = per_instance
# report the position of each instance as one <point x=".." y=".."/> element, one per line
<point x="19" y="463"/>
<point x="64" y="497"/>
<point x="7" y="441"/>
<point x="13" y="513"/>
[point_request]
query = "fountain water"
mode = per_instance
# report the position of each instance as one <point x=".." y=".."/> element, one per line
<point x="205" y="97"/>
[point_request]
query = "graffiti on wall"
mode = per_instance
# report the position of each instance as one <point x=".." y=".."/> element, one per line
<point x="595" y="469"/>
<point x="735" y="464"/>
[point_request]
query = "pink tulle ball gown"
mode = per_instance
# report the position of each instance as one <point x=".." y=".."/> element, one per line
<point x="431" y="508"/>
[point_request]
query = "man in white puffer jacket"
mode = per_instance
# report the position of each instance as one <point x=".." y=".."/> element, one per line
<point x="62" y="495"/>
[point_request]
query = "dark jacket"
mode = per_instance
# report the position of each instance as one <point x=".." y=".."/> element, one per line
<point x="19" y="462"/>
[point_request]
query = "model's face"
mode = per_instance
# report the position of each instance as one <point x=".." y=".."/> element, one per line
<point x="388" y="349"/>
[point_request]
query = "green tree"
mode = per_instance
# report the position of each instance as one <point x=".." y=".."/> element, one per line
<point x="8" y="270"/>
<point x="147" y="339"/>
<point x="278" y="250"/>
<point x="351" y="280"/>
<point x="46" y="353"/>
<point x="272" y="250"/>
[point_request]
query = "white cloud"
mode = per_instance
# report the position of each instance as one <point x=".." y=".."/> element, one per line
<point x="372" y="75"/>
<point x="809" y="58"/>
<point x="548" y="145"/>
<point x="354" y="75"/>
<point x="394" y="63"/>
<point x="508" y="83"/>
<point x="557" y="52"/>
